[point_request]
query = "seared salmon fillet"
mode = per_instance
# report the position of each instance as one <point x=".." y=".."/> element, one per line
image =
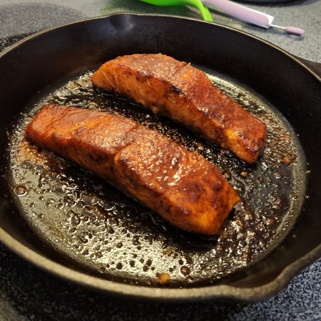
<point x="186" y="95"/>
<point x="182" y="186"/>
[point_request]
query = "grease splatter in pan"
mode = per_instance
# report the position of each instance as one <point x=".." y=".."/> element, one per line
<point x="95" y="227"/>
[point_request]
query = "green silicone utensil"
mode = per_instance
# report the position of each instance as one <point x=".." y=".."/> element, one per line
<point x="194" y="3"/>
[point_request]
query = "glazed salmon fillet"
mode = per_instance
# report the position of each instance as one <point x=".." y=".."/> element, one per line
<point x="182" y="186"/>
<point x="185" y="94"/>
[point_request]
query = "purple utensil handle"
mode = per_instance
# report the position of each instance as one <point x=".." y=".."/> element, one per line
<point x="294" y="30"/>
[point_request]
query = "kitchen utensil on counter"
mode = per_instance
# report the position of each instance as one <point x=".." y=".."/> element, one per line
<point x="249" y="15"/>
<point x="207" y="16"/>
<point x="232" y="9"/>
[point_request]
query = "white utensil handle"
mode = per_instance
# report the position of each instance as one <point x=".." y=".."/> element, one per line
<point x="240" y="12"/>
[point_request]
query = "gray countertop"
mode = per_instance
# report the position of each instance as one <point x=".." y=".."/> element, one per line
<point x="27" y="293"/>
<point x="39" y="14"/>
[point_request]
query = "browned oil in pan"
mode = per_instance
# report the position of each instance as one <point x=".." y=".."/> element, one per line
<point x="95" y="227"/>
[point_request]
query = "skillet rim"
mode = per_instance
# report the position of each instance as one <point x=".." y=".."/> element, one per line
<point x="217" y="292"/>
<point x="233" y="292"/>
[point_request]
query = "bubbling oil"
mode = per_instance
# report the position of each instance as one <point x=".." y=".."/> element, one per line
<point x="98" y="228"/>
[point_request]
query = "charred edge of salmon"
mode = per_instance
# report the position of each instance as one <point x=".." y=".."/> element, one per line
<point x="181" y="186"/>
<point x="186" y="95"/>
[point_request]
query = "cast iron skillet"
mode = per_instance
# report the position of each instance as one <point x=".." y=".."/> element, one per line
<point x="69" y="223"/>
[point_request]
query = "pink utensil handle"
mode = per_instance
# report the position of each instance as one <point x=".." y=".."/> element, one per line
<point x="240" y="12"/>
<point x="294" y="30"/>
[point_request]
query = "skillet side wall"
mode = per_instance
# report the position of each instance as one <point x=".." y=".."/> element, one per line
<point x="30" y="67"/>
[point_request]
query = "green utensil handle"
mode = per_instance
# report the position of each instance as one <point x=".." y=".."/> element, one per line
<point x="206" y="14"/>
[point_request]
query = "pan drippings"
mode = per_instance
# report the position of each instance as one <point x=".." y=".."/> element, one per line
<point x="96" y="227"/>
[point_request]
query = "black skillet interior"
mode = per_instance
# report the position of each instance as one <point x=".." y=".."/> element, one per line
<point x="38" y="69"/>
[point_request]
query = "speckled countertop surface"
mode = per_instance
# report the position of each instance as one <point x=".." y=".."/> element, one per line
<point x="27" y="293"/>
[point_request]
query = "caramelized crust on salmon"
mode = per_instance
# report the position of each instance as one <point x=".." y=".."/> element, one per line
<point x="181" y="186"/>
<point x="186" y="95"/>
